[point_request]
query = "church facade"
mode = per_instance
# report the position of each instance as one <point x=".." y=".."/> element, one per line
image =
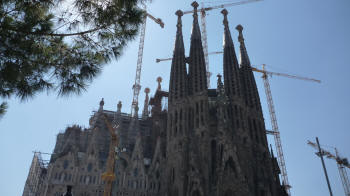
<point x="206" y="142"/>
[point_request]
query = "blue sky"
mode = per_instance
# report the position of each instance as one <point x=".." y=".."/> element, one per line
<point x="307" y="38"/>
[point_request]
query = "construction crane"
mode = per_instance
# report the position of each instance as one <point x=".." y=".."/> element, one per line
<point x="275" y="131"/>
<point x="203" y="11"/>
<point x="109" y="175"/>
<point x="342" y="164"/>
<point x="137" y="86"/>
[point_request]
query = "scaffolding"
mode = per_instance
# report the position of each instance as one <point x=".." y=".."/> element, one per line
<point x="36" y="176"/>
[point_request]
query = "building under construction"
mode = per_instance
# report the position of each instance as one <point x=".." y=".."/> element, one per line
<point x="189" y="141"/>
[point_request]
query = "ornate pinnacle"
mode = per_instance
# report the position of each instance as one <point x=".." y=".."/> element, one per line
<point x="220" y="87"/>
<point x="219" y="77"/>
<point x="225" y="12"/>
<point x="195" y="6"/>
<point x="240" y="36"/>
<point x="119" y="106"/>
<point x="179" y="13"/>
<point x="159" y="80"/>
<point x="147" y="90"/>
<point x="101" y="105"/>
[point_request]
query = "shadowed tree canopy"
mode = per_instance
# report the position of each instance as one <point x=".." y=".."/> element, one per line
<point x="60" y="45"/>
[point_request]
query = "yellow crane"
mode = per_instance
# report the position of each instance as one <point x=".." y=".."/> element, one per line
<point x="275" y="131"/>
<point x="109" y="175"/>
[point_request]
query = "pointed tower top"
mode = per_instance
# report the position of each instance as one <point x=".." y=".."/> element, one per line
<point x="119" y="107"/>
<point x="177" y="84"/>
<point x="159" y="80"/>
<point x="179" y="46"/>
<point x="240" y="30"/>
<point x="224" y="12"/>
<point x="244" y="54"/>
<point x="101" y="105"/>
<point x="195" y="5"/>
<point x="196" y="33"/>
<point x="179" y="13"/>
<point x="227" y="34"/>
<point x="220" y="86"/>
<point x="145" y="107"/>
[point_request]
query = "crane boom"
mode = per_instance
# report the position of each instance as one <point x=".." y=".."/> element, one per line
<point x="222" y="6"/>
<point x="342" y="163"/>
<point x="284" y="75"/>
<point x="168" y="59"/>
<point x="137" y="85"/>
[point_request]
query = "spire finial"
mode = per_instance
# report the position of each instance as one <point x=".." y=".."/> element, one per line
<point x="240" y="30"/>
<point x="159" y="80"/>
<point x="179" y="14"/>
<point x="220" y="86"/>
<point x="147" y="90"/>
<point x="102" y="103"/>
<point x="219" y="77"/>
<point x="119" y="107"/>
<point x="145" y="107"/>
<point x="225" y="12"/>
<point x="195" y="5"/>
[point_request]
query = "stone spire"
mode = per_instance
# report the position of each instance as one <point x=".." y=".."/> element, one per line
<point x="250" y="89"/>
<point x="159" y="81"/>
<point x="220" y="87"/>
<point x="100" y="109"/>
<point x="145" y="106"/>
<point x="197" y="68"/>
<point x="244" y="54"/>
<point x="178" y="75"/>
<point x="119" y="107"/>
<point x="231" y="68"/>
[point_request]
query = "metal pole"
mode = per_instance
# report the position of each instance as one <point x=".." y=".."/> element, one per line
<point x="324" y="167"/>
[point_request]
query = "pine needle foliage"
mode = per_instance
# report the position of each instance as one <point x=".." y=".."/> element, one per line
<point x="61" y="45"/>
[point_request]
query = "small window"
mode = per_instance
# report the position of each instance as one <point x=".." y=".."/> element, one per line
<point x="136" y="172"/>
<point x="65" y="164"/>
<point x="89" y="168"/>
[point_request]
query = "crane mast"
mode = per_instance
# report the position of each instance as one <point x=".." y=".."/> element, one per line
<point x="275" y="130"/>
<point x="205" y="44"/>
<point x="109" y="175"/>
<point x="278" y="143"/>
<point x="343" y="174"/>
<point x="137" y="85"/>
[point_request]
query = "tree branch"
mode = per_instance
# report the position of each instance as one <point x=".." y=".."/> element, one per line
<point x="57" y="34"/>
